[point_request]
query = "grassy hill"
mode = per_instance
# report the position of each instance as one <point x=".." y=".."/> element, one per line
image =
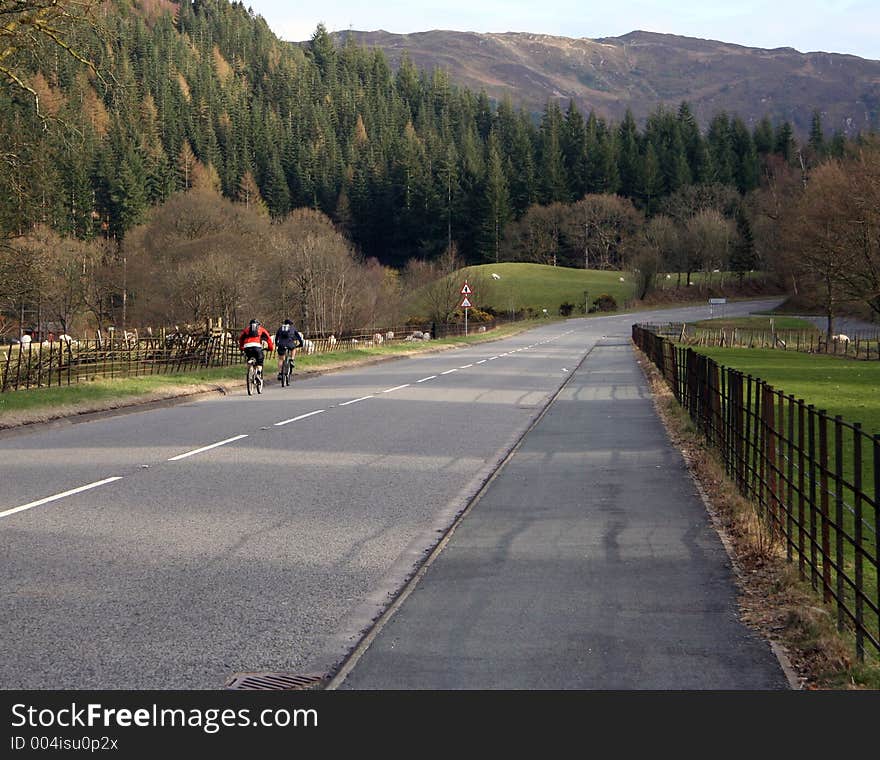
<point x="540" y="286"/>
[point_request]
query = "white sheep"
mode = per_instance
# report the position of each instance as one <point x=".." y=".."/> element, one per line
<point x="496" y="276"/>
<point x="331" y="340"/>
<point x="378" y="339"/>
<point x="840" y="338"/>
<point x="308" y="346"/>
<point x="389" y="335"/>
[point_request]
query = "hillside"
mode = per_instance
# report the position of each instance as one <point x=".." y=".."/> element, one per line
<point x="535" y="287"/>
<point x="641" y="70"/>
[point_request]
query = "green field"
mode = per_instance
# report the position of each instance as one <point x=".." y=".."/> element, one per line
<point x="540" y="286"/>
<point x="840" y="386"/>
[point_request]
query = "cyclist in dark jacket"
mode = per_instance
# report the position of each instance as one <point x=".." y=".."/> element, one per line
<point x="287" y="338"/>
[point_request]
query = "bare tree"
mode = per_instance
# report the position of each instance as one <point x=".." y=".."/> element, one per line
<point x="317" y="273"/>
<point x="601" y="224"/>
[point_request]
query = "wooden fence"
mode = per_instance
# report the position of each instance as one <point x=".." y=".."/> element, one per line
<point x="52" y="364"/>
<point x="813" y="477"/>
<point x="864" y="344"/>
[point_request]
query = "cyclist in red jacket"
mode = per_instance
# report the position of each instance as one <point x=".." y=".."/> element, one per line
<point x="251" y="342"/>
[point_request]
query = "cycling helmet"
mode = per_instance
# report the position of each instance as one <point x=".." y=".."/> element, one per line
<point x="288" y="321"/>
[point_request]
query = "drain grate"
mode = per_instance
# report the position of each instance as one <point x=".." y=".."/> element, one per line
<point x="273" y="682"/>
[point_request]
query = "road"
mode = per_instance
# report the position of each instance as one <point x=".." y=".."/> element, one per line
<point x="172" y="548"/>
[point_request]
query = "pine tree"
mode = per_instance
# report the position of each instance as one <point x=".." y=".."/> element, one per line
<point x="553" y="185"/>
<point x="629" y="160"/>
<point x="497" y="197"/>
<point x="816" y="142"/>
<point x="574" y="152"/>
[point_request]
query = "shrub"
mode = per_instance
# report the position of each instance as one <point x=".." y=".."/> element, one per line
<point x="605" y="302"/>
<point x="565" y="309"/>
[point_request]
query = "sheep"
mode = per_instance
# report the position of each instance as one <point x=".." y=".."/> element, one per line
<point x="840" y="338"/>
<point x="389" y="335"/>
<point x="621" y="279"/>
<point x="308" y="346"/>
<point x="332" y="340"/>
<point x="496" y="276"/>
<point x="378" y="339"/>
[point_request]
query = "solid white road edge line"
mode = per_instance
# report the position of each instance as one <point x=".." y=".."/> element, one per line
<point x="207" y="448"/>
<point x="301" y="417"/>
<point x="57" y="496"/>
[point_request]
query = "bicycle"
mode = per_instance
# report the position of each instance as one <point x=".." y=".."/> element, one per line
<point x="286" y="369"/>
<point x="254" y="377"/>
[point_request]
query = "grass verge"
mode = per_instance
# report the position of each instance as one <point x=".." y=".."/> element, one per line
<point x="773" y="599"/>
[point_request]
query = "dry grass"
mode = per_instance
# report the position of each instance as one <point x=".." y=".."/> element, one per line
<point x="773" y="599"/>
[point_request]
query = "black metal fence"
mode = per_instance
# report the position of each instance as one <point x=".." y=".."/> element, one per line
<point x="812" y="476"/>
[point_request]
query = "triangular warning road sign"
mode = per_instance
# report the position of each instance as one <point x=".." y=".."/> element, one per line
<point x="466" y="289"/>
<point x="465" y="304"/>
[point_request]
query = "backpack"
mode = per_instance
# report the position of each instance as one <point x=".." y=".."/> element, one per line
<point x="254" y="329"/>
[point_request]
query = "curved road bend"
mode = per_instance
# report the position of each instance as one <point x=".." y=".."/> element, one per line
<point x="172" y="548"/>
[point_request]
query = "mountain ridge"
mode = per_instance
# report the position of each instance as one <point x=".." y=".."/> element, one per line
<point x="642" y="70"/>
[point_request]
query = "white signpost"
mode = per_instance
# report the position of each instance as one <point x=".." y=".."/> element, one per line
<point x="465" y="303"/>
<point x="713" y="302"/>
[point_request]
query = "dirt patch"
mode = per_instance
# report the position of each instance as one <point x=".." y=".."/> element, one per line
<point x="774" y="600"/>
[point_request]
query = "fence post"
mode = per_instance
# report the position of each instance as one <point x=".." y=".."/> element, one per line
<point x="823" y="504"/>
<point x="789" y="469"/>
<point x="814" y="545"/>
<point x="740" y="431"/>
<point x="858" y="539"/>
<point x="6" y="370"/>
<point x="801" y="466"/>
<point x="877" y="517"/>
<point x="838" y="515"/>
<point x="757" y="449"/>
<point x="772" y="461"/>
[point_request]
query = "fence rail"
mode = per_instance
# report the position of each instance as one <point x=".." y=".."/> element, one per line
<point x="57" y="363"/>
<point x="812" y="476"/>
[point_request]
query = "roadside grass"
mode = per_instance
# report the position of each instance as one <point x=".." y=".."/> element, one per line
<point x="102" y="394"/>
<point x="774" y="599"/>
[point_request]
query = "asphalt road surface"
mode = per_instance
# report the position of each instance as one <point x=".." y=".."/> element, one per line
<point x="172" y="548"/>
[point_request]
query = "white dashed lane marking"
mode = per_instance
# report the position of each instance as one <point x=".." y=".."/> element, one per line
<point x="355" y="400"/>
<point x="71" y="492"/>
<point x="301" y="417"/>
<point x="207" y="448"/>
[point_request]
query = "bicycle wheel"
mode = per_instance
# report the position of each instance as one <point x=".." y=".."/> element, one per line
<point x="250" y="378"/>
<point x="258" y="381"/>
<point x="288" y="371"/>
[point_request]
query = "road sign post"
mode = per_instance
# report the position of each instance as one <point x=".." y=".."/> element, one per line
<point x="465" y="303"/>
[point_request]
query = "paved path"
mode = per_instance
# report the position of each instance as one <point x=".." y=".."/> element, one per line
<point x="588" y="563"/>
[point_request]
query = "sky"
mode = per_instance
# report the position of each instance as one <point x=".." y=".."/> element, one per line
<point x="835" y="26"/>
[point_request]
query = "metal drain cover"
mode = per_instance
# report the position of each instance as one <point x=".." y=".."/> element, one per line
<point x="273" y="682"/>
